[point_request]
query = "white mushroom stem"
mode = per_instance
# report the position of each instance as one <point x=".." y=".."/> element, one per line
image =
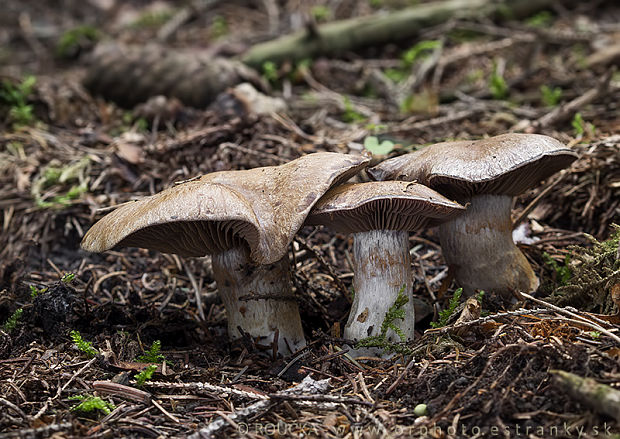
<point x="382" y="267"/>
<point x="478" y="246"/>
<point x="237" y="276"/>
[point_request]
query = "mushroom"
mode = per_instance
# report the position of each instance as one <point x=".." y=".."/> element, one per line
<point x="380" y="215"/>
<point x="245" y="220"/>
<point x="487" y="174"/>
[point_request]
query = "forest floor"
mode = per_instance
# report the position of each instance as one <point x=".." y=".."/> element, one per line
<point x="67" y="156"/>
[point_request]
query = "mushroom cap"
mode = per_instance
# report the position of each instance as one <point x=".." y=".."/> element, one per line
<point x="508" y="164"/>
<point x="263" y="207"/>
<point x="382" y="205"/>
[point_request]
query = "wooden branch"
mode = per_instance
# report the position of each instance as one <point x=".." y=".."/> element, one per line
<point x="600" y="397"/>
<point x="339" y="36"/>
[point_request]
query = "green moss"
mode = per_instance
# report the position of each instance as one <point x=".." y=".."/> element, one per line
<point x="395" y="313"/>
<point x="90" y="404"/>
<point x="15" y="98"/>
<point x="83" y="346"/>
<point x="145" y="375"/>
<point x="595" y="270"/>
<point x="74" y="40"/>
<point x="153" y="355"/>
<point x="12" y="322"/>
<point x="444" y="315"/>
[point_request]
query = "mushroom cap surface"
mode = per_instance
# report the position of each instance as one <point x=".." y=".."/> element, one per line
<point x="264" y="207"/>
<point x="382" y="205"/>
<point x="508" y="164"/>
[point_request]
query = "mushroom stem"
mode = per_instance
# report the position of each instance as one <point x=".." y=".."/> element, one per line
<point x="478" y="246"/>
<point x="237" y="278"/>
<point x="382" y="266"/>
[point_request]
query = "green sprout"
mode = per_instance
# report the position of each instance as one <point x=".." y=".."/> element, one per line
<point x="594" y="334"/>
<point x="152" y="19"/>
<point x="497" y="84"/>
<point x="219" y="27"/>
<point x="542" y="19"/>
<point x="34" y="291"/>
<point x="418" y="51"/>
<point x="321" y="13"/>
<point x="350" y="115"/>
<point x="12" y="322"/>
<point x="371" y="143"/>
<point x="445" y="314"/>
<point x="53" y="175"/>
<point x="550" y="96"/>
<point x="15" y="97"/>
<point x="153" y="355"/>
<point x="480" y="296"/>
<point x="67" y="278"/>
<point x="83" y="346"/>
<point x="90" y="403"/>
<point x="396" y="312"/>
<point x="72" y="41"/>
<point x="580" y="126"/>
<point x="270" y="71"/>
<point x="562" y="273"/>
<point x="145" y="375"/>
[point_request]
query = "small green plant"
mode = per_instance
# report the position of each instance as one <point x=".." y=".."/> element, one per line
<point x="376" y="3"/>
<point x="594" y="334"/>
<point x="89" y="404"/>
<point x="219" y="27"/>
<point x="542" y="19"/>
<point x="480" y="296"/>
<point x="152" y="19"/>
<point x="396" y="312"/>
<point x="34" y="291"/>
<point x="563" y="273"/>
<point x="270" y="71"/>
<point x="550" y="96"/>
<point x="153" y="355"/>
<point x="409" y="57"/>
<point x="595" y="271"/>
<point x="83" y="346"/>
<point x="445" y="314"/>
<point x="54" y="175"/>
<point x="418" y="51"/>
<point x="375" y="127"/>
<point x="396" y="74"/>
<point x="67" y="278"/>
<point x="321" y="13"/>
<point x="497" y="84"/>
<point x="145" y="375"/>
<point x="12" y="322"/>
<point x="72" y="41"/>
<point x="349" y="114"/>
<point x="371" y="143"/>
<point x="15" y="97"/>
<point x="580" y="126"/>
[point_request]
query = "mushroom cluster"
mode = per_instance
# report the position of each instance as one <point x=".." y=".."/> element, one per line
<point x="246" y="220"/>
<point x="486" y="174"/>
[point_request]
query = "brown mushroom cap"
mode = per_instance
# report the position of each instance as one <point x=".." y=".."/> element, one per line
<point x="508" y="164"/>
<point x="264" y="207"/>
<point x="382" y="205"/>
